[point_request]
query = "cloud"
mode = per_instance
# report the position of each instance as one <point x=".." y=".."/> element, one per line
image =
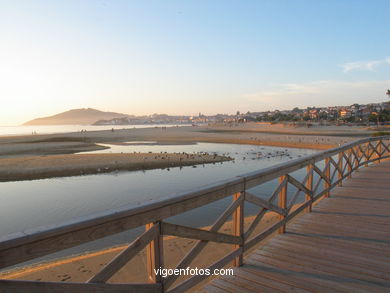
<point x="319" y="93"/>
<point x="364" y="65"/>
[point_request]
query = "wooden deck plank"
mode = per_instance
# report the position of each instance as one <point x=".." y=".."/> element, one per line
<point x="319" y="274"/>
<point x="366" y="271"/>
<point x="316" y="263"/>
<point x="271" y="283"/>
<point x="342" y="246"/>
<point x="349" y="257"/>
<point x="347" y="262"/>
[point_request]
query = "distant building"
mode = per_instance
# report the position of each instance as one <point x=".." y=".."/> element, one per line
<point x="345" y="113"/>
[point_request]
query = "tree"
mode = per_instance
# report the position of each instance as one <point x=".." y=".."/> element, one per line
<point x="388" y="94"/>
<point x="296" y="110"/>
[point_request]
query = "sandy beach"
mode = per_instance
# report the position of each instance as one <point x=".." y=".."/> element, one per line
<point x="54" y="155"/>
<point x="282" y="135"/>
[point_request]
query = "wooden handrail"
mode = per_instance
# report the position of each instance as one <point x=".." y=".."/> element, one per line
<point x="27" y="245"/>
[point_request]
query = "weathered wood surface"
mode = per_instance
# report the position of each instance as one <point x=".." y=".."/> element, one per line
<point x="342" y="246"/>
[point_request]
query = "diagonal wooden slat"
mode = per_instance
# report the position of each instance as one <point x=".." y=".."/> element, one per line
<point x="264" y="204"/>
<point x="125" y="256"/>
<point x="320" y="180"/>
<point x="347" y="159"/>
<point x="262" y="212"/>
<point x="333" y="162"/>
<point x="356" y="157"/>
<point x="298" y="184"/>
<point x="323" y="177"/>
<point x="198" y="247"/>
<point x="335" y="171"/>
<point x="195" y="233"/>
<point x="278" y="189"/>
<point x="370" y="153"/>
<point x="344" y="168"/>
<point x="375" y="148"/>
<point x="383" y="151"/>
<point x="363" y="152"/>
<point x="307" y="191"/>
<point x="321" y="173"/>
<point x="255" y="222"/>
<point x="293" y="200"/>
<point x="386" y="148"/>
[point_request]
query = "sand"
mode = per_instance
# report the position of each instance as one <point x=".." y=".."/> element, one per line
<point x="55" y="153"/>
<point x="37" y="167"/>
<point x="249" y="133"/>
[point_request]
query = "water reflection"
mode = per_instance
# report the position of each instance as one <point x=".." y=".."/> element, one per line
<point x="28" y="204"/>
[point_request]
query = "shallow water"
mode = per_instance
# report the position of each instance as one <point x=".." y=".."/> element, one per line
<point x="50" y="129"/>
<point x="29" y="204"/>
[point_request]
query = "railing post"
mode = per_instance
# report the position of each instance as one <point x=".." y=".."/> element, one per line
<point x="349" y="162"/>
<point x="154" y="253"/>
<point x="367" y="153"/>
<point x="340" y="165"/>
<point x="282" y="202"/>
<point x="327" y="176"/>
<point x="238" y="227"/>
<point x="357" y="158"/>
<point x="309" y="185"/>
<point x="379" y="150"/>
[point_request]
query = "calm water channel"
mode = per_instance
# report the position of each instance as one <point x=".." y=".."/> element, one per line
<point x="30" y="204"/>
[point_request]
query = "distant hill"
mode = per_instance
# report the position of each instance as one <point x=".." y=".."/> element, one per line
<point x="76" y="116"/>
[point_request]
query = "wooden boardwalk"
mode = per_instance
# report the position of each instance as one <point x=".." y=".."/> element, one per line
<point x="342" y="246"/>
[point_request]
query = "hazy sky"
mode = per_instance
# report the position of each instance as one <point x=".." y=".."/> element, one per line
<point x="143" y="57"/>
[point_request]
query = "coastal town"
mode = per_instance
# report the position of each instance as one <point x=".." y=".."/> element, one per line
<point x="357" y="113"/>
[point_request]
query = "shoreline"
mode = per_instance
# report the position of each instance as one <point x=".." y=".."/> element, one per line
<point x="31" y="157"/>
<point x="70" y="143"/>
<point x="40" y="167"/>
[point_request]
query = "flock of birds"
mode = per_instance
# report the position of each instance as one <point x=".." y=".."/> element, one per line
<point x="252" y="154"/>
<point x="264" y="154"/>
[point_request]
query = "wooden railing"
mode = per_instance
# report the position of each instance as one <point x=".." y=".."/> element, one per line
<point x="329" y="168"/>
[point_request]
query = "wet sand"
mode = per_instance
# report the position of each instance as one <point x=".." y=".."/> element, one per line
<point x="38" y="167"/>
<point x="249" y="133"/>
